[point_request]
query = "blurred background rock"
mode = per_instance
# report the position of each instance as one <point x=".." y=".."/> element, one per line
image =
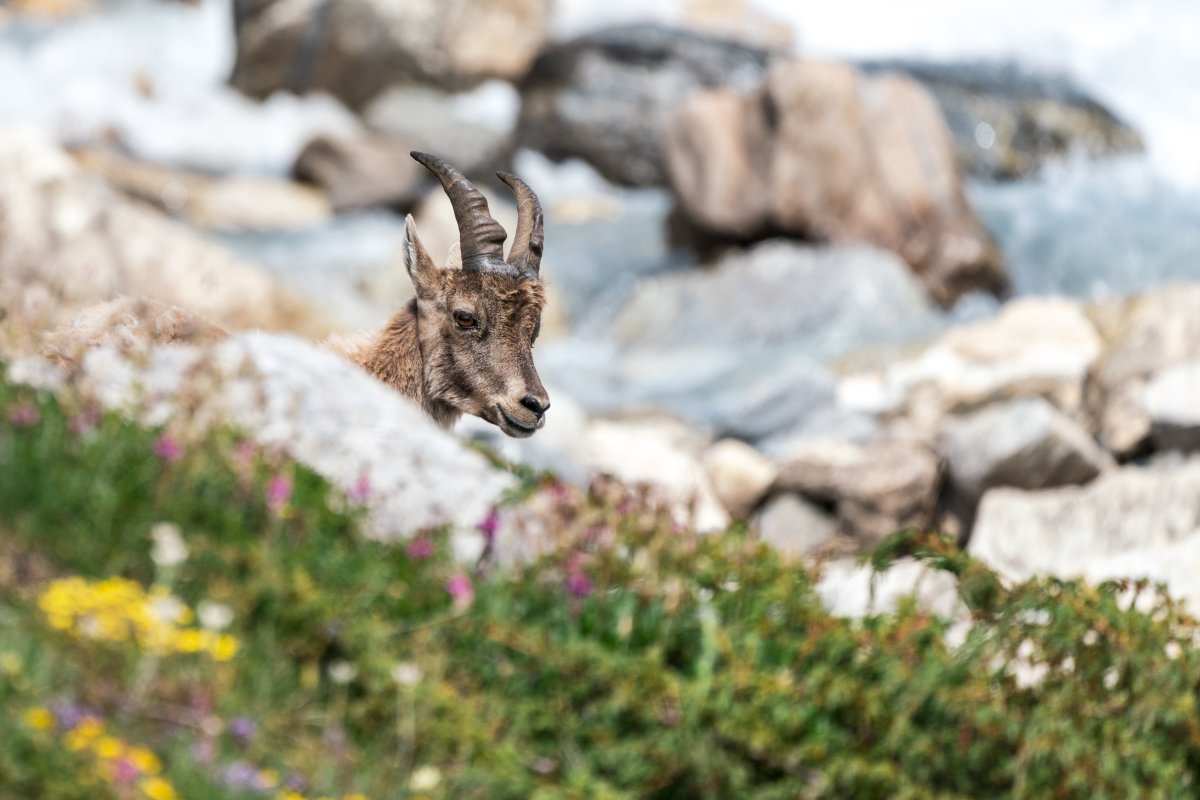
<point x="841" y="267"/>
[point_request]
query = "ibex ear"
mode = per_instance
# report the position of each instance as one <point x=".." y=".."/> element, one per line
<point x="454" y="257"/>
<point x="421" y="267"/>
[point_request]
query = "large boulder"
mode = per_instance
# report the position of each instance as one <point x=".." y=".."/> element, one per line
<point x="68" y="241"/>
<point x="1146" y="335"/>
<point x="604" y="97"/>
<point x="796" y="527"/>
<point x="874" y="489"/>
<point x="1035" y="347"/>
<point x="362" y="170"/>
<point x="823" y="300"/>
<point x="1007" y="121"/>
<point x="354" y="49"/>
<point x="1068" y="532"/>
<point x="1169" y="400"/>
<point x="1026" y="443"/>
<point x="739" y="474"/>
<point x="823" y="152"/>
<point x="296" y="397"/>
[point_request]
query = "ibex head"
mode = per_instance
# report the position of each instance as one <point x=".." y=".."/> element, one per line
<point x="477" y="320"/>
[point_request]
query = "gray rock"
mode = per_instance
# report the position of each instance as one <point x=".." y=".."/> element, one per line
<point x="821" y="151"/>
<point x="1007" y="121"/>
<point x="603" y="97"/>
<point x="1063" y="532"/>
<point x="316" y="407"/>
<point x="1146" y="335"/>
<point x="1027" y="444"/>
<point x="874" y="490"/>
<point x="824" y="300"/>
<point x="851" y="589"/>
<point x="1171" y="400"/>
<point x="354" y="49"/>
<point x="794" y="526"/>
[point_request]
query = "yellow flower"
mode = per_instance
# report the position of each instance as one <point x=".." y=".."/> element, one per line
<point x="355" y="796"/>
<point x="39" y="718"/>
<point x="158" y="789"/>
<point x="108" y="747"/>
<point x="288" y="794"/>
<point x="225" y="647"/>
<point x="81" y="737"/>
<point x="146" y="762"/>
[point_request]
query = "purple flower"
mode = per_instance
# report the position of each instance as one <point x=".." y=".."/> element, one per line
<point x="579" y="584"/>
<point x="242" y="775"/>
<point x="168" y="449"/>
<point x="279" y="492"/>
<point x="68" y="714"/>
<point x="460" y="588"/>
<point x="242" y="728"/>
<point x="490" y="524"/>
<point x="420" y="548"/>
<point x="25" y="415"/>
<point x="360" y="492"/>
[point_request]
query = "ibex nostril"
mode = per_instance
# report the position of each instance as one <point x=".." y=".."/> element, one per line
<point x="535" y="405"/>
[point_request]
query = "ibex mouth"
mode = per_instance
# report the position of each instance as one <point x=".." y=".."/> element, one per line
<point x="516" y="428"/>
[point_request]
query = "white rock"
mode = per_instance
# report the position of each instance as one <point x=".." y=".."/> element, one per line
<point x="850" y="589"/>
<point x="739" y="475"/>
<point x="1034" y="347"/>
<point x="318" y="408"/>
<point x="662" y="453"/>
<point x="1130" y="513"/>
<point x="1170" y="401"/>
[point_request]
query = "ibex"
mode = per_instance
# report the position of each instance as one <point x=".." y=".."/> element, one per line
<point x="464" y="345"/>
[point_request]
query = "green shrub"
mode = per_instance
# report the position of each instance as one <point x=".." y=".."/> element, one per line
<point x="630" y="660"/>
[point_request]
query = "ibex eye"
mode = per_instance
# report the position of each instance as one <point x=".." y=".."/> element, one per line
<point x="465" y="321"/>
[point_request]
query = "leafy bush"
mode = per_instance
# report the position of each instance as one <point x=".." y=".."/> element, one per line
<point x="628" y="660"/>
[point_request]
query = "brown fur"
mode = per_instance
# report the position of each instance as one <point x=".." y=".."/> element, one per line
<point x="449" y="371"/>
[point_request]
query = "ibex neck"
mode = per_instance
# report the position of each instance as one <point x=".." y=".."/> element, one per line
<point x="395" y="358"/>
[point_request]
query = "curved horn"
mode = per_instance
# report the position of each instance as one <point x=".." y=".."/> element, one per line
<point x="480" y="237"/>
<point x="526" y="253"/>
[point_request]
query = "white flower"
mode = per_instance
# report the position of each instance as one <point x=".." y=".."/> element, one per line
<point x="342" y="672"/>
<point x="167" y="609"/>
<point x="169" y="548"/>
<point x="1173" y="650"/>
<point x="424" y="779"/>
<point x="406" y="673"/>
<point x="214" y="616"/>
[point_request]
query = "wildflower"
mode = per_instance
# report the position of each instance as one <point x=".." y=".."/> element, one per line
<point x="169" y="548"/>
<point x="68" y="715"/>
<point x="360" y="492"/>
<point x="108" y="747"/>
<point x="145" y="761"/>
<point x="460" y="588"/>
<point x="85" y="420"/>
<point x="490" y="524"/>
<point x="25" y="415"/>
<point x="424" y="779"/>
<point x="342" y="672"/>
<point x="279" y="492"/>
<point x="158" y="789"/>
<point x="578" y="583"/>
<point x="125" y="771"/>
<point x="168" y="449"/>
<point x="268" y="778"/>
<point x="406" y="673"/>
<point x="225" y="647"/>
<point x="214" y="616"/>
<point x="420" y="548"/>
<point x="39" y="718"/>
<point x="241" y="775"/>
<point x="355" y="796"/>
<point x="289" y="794"/>
<point x="244" y="453"/>
<point x="243" y="729"/>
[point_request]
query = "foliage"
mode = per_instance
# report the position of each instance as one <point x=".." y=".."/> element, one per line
<point x="629" y="659"/>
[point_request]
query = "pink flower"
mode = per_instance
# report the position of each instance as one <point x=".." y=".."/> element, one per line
<point x="420" y="548"/>
<point x="168" y="449"/>
<point x="244" y="453"/>
<point x="360" y="492"/>
<point x="125" y="771"/>
<point x="25" y="415"/>
<point x="84" y="421"/>
<point x="490" y="524"/>
<point x="460" y="588"/>
<point x="579" y="584"/>
<point x="279" y="492"/>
